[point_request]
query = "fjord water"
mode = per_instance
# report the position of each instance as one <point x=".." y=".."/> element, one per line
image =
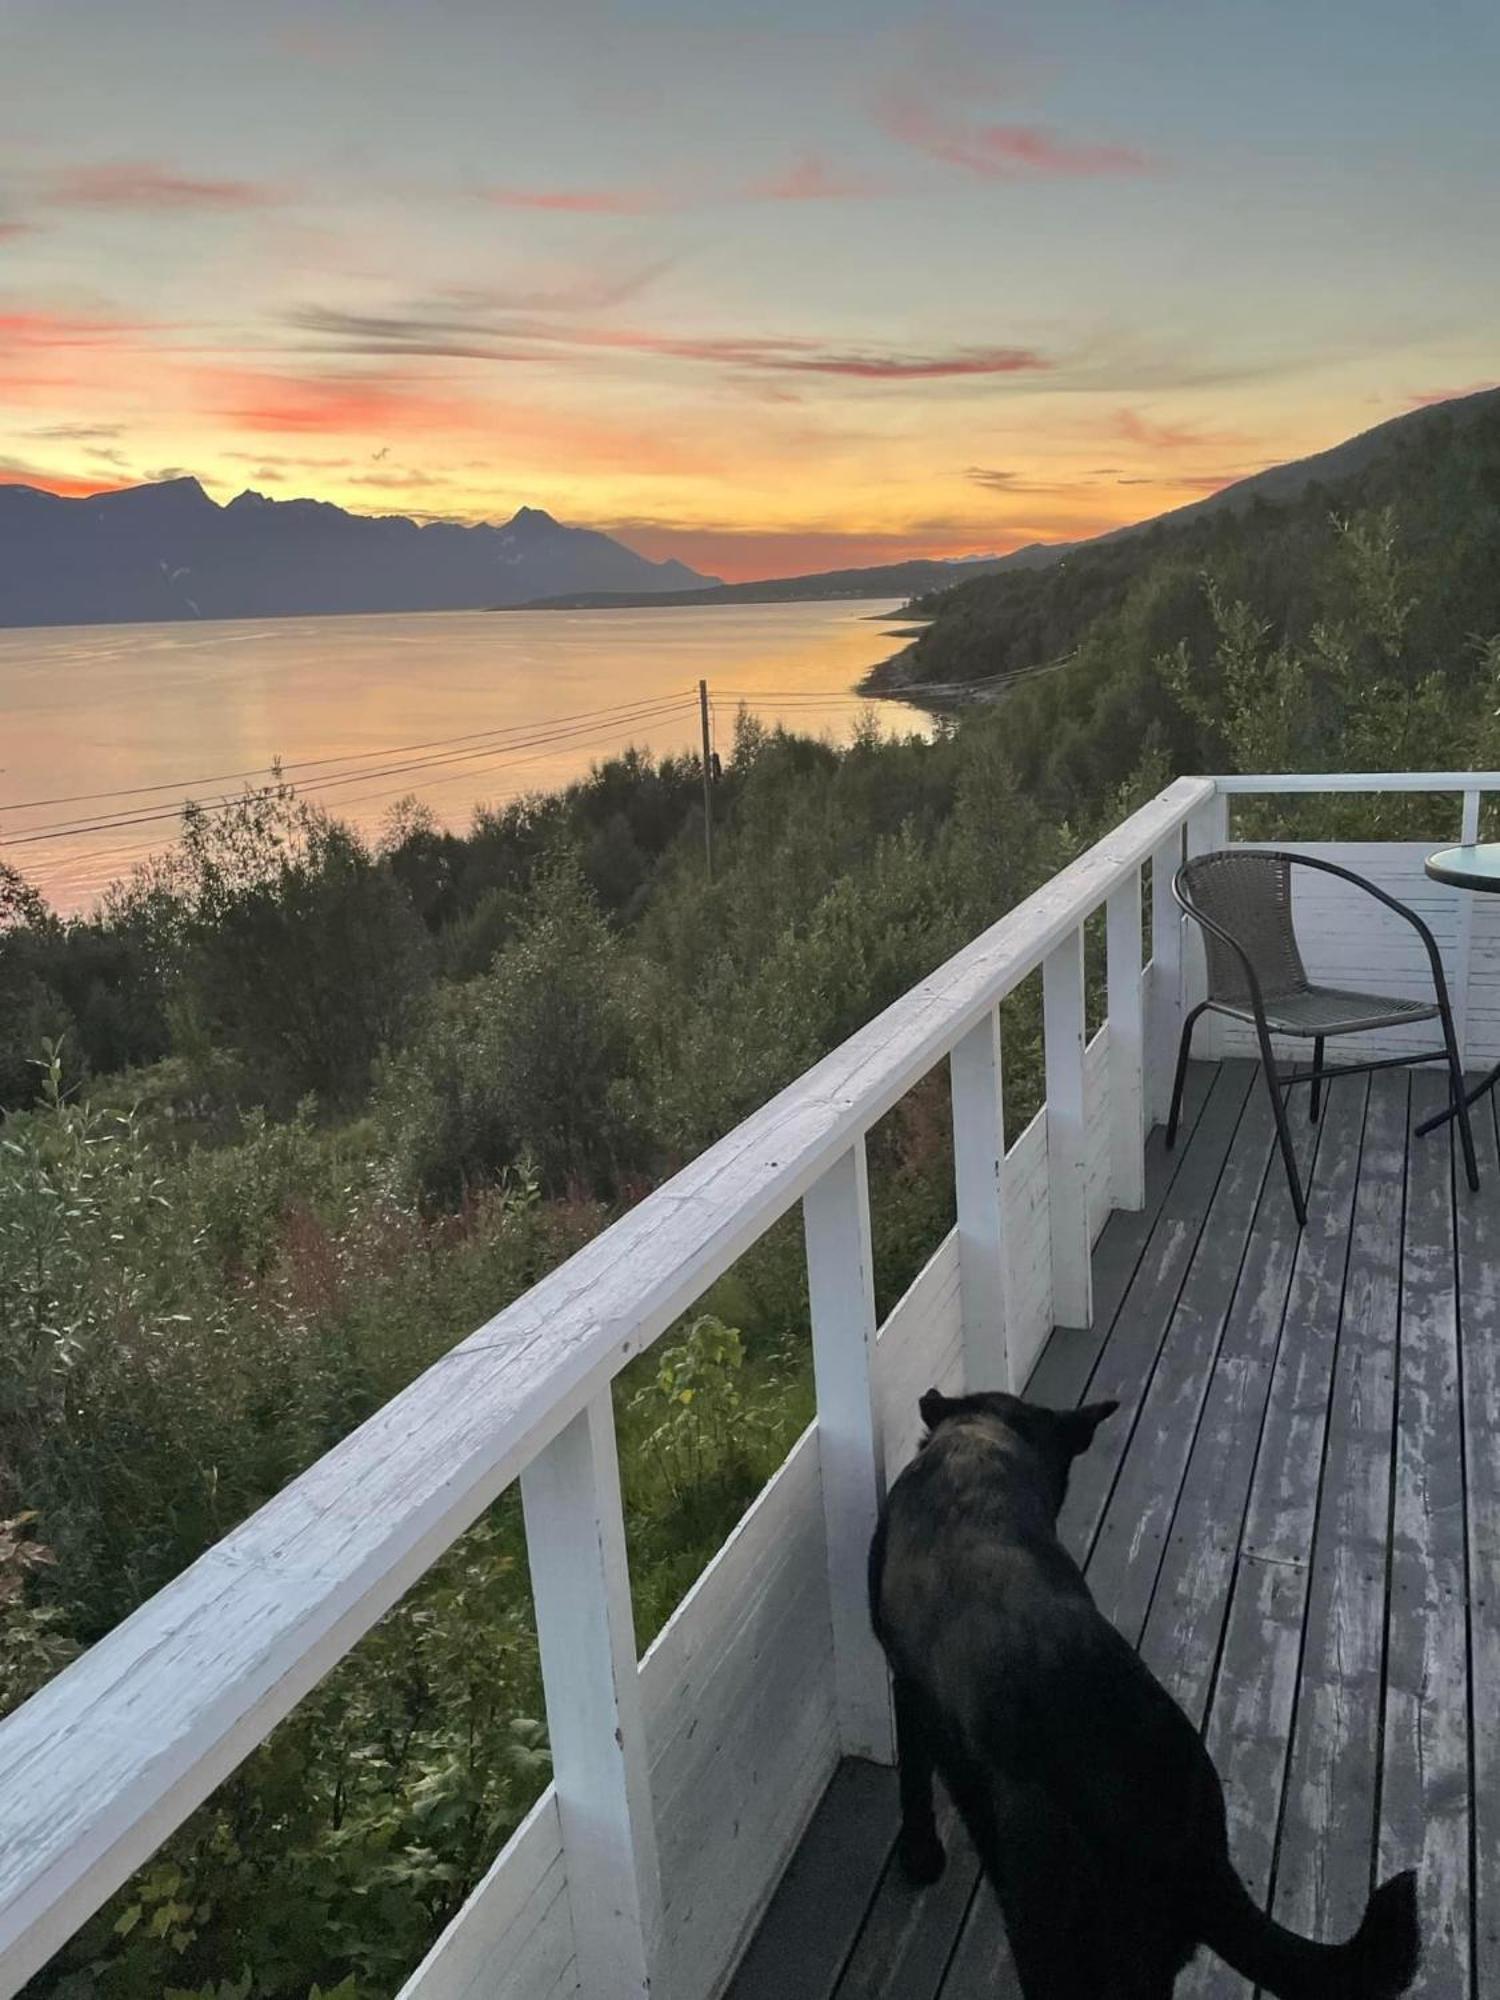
<point x="185" y="708"/>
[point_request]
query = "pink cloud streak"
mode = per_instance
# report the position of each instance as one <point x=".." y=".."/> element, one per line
<point x="1001" y="151"/>
<point x="143" y="184"/>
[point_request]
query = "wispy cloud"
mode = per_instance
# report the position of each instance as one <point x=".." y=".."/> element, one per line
<point x="1134" y="428"/>
<point x="79" y="433"/>
<point x="431" y="330"/>
<point x="999" y="151"/>
<point x="810" y="178"/>
<point x="581" y="201"/>
<point x="36" y="328"/>
<point x="146" y="184"/>
<point x="12" y="232"/>
<point x="338" y="405"/>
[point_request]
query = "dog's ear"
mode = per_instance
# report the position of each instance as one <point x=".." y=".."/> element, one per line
<point x="1079" y="1425"/>
<point x="934" y="1406"/>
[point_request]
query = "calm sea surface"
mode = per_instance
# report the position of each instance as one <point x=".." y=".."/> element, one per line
<point x="461" y="708"/>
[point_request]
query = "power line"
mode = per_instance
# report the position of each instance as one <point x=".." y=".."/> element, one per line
<point x="340" y="757"/>
<point x="140" y="849"/>
<point x="110" y="822"/>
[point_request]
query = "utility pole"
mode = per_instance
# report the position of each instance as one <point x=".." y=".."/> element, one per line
<point x="708" y="794"/>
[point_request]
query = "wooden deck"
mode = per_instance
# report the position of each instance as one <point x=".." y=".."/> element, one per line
<point x="1296" y="1518"/>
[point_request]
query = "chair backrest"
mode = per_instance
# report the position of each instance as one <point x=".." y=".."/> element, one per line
<point x="1248" y="895"/>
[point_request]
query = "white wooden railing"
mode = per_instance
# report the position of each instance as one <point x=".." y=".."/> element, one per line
<point x="683" y="1782"/>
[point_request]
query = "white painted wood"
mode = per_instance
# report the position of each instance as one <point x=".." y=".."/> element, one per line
<point x="978" y="1174"/>
<point x="921" y="1347"/>
<point x="1030" y="1240"/>
<point x="98" y="1768"/>
<point x="738" y="1696"/>
<point x="1272" y="783"/>
<point x="738" y="1705"/>
<point x="841" y="1298"/>
<point x="1127" y="1044"/>
<point x="1463" y="956"/>
<point x="514" y="1937"/>
<point x="1207" y="830"/>
<point x="580" y="1586"/>
<point x="1163" y="979"/>
<point x="1097" y="1136"/>
<point x="1067" y="1166"/>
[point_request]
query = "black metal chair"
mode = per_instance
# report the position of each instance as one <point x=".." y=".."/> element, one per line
<point x="1241" y="898"/>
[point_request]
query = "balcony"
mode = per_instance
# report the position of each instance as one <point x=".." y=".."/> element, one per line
<point x="1296" y="1515"/>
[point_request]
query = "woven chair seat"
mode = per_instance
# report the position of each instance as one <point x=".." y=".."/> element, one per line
<point x="1328" y="1010"/>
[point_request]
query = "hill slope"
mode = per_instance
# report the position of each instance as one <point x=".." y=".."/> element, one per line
<point x="1439" y="468"/>
<point x="168" y="551"/>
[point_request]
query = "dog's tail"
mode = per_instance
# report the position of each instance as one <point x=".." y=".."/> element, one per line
<point x="1377" y="1963"/>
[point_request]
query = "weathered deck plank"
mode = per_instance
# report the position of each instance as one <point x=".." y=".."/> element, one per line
<point x="1127" y="1550"/>
<point x="1479" y="1322"/>
<point x="1130" y="1352"/>
<point x="819" y="1908"/>
<point x="1425" y="1790"/>
<point x="1254" y="1700"/>
<point x="1329" y="1813"/>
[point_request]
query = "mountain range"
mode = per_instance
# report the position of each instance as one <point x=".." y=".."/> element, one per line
<point x="926" y="578"/>
<point x="168" y="551"/>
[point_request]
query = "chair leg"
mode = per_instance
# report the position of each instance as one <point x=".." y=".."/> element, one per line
<point x="1460" y="1095"/>
<point x="1283" y="1129"/>
<point x="1315" y="1095"/>
<point x="1184" y="1047"/>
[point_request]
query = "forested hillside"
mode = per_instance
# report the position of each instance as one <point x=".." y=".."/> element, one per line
<point x="291" y="1113"/>
<point x="1120" y="602"/>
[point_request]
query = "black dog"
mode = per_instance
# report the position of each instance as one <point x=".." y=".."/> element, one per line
<point x="1088" y="1794"/>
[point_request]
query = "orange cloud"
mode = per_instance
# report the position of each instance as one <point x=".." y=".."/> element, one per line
<point x="47" y="329"/>
<point x="142" y="184"/>
<point x="255" y="400"/>
<point x="1000" y="152"/>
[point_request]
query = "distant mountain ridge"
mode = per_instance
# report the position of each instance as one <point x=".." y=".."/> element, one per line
<point x="168" y="551"/>
<point x="904" y="579"/>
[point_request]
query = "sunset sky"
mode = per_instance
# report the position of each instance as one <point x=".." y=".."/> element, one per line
<point x="766" y="287"/>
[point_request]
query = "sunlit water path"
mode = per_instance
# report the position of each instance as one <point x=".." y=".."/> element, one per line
<point x="461" y="708"/>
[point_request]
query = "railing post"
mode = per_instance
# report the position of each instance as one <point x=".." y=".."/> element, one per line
<point x="841" y="1295"/>
<point x="1207" y="829"/>
<point x="979" y="1185"/>
<point x="1164" y="986"/>
<point x="1463" y="945"/>
<point x="1067" y="1182"/>
<point x="575" y="1538"/>
<point x="1127" y="1119"/>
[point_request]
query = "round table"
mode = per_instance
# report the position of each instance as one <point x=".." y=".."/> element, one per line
<point x="1476" y="867"/>
<point x="1473" y="867"/>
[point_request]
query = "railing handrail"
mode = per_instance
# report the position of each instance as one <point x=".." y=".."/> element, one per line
<point x="97" y="1768"/>
<point x="1276" y="783"/>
